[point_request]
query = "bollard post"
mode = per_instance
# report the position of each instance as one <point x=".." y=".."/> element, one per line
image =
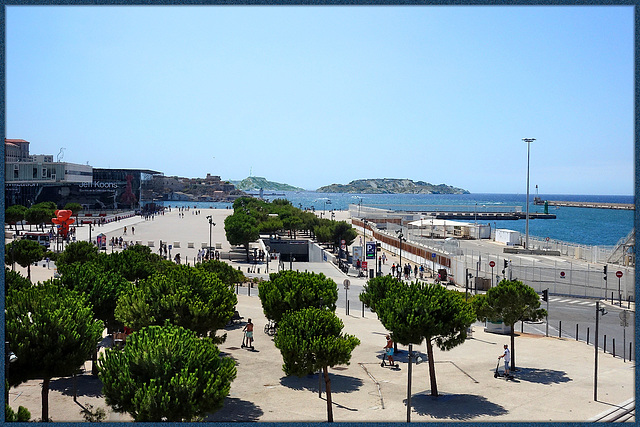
<point x="628" y="301"/>
<point x="630" y="347"/>
<point x="611" y="297"/>
<point x="522" y="326"/>
<point x="604" y="350"/>
<point x="363" y="309"/>
<point x="560" y="329"/>
<point x="576" y="332"/>
<point x="614" y="347"/>
<point x="249" y="289"/>
<point x="587" y="336"/>
<point x="237" y="285"/>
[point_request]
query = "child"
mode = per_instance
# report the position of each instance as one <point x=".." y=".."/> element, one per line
<point x="248" y="332"/>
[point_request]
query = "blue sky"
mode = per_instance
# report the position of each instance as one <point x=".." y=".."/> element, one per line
<point x="312" y="96"/>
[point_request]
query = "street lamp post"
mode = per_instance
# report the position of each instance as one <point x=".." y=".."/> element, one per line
<point x="211" y="224"/>
<point x="528" y="141"/>
<point x="400" y="238"/>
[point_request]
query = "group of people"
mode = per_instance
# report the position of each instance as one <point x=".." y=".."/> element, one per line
<point x="206" y="254"/>
<point x="406" y="270"/>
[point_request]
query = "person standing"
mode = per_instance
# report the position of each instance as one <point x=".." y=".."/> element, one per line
<point x="507" y="359"/>
<point x="389" y="349"/>
<point x="248" y="332"/>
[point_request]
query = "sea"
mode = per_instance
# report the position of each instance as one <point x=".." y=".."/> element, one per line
<point x="585" y="226"/>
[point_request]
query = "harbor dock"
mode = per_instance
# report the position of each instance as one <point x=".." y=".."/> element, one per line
<point x="621" y="206"/>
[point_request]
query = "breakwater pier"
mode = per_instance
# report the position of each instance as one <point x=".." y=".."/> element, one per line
<point x="598" y="205"/>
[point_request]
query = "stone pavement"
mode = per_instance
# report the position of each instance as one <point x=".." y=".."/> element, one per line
<point x="554" y="381"/>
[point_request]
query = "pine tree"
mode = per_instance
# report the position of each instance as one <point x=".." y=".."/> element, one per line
<point x="166" y="373"/>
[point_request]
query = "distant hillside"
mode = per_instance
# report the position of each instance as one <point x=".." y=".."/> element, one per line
<point x="256" y="183"/>
<point x="390" y="186"/>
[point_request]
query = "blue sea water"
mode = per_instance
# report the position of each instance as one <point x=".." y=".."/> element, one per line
<point x="586" y="226"/>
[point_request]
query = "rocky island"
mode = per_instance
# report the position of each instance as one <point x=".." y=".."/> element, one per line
<point x="253" y="183"/>
<point x="390" y="186"/>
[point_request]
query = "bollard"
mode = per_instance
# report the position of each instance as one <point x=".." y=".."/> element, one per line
<point x="576" y="332"/>
<point x="248" y="290"/>
<point x="605" y="344"/>
<point x="363" y="309"/>
<point x="560" y="329"/>
<point x="630" y="347"/>
<point x="237" y="288"/>
<point x="522" y="326"/>
<point x="587" y="336"/>
<point x="614" y="347"/>
<point x="611" y="297"/>
<point x="628" y="301"/>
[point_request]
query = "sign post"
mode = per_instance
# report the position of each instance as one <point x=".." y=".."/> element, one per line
<point x="492" y="264"/>
<point x="433" y="262"/>
<point x="624" y="322"/>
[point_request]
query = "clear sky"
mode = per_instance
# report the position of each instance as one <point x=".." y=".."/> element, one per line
<point x="311" y="96"/>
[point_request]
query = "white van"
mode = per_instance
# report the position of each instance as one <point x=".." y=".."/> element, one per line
<point x="41" y="238"/>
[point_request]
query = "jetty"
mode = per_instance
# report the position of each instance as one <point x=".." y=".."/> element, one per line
<point x="598" y="205"/>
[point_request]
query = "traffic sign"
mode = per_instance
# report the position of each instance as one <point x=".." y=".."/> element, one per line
<point x="547" y="239"/>
<point x="364" y="265"/>
<point x="562" y="274"/>
<point x="433" y="255"/>
<point x="618" y="274"/>
<point x="346" y="283"/>
<point x="492" y="264"/>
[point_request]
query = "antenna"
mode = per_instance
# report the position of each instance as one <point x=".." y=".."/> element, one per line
<point x="61" y="154"/>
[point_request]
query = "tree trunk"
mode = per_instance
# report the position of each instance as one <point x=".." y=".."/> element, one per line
<point x="513" y="349"/>
<point x="45" y="400"/>
<point x="432" y="368"/>
<point x="29" y="271"/>
<point x="327" y="385"/>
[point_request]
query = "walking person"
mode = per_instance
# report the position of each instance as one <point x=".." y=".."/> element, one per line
<point x="507" y="359"/>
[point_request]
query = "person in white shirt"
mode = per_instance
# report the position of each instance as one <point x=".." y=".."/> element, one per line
<point x="507" y="359"/>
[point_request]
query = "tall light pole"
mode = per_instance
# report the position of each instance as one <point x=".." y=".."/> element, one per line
<point x="211" y="224"/>
<point x="528" y="141"/>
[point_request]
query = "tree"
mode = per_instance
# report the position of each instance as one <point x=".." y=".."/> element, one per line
<point x="75" y="208"/>
<point x="134" y="263"/>
<point x="290" y="291"/>
<point x="310" y="339"/>
<point x="343" y="231"/>
<point x="510" y="302"/>
<point x="292" y="223"/>
<point x="14" y="214"/>
<point x="79" y="252"/>
<point x="419" y="312"/>
<point x="241" y="229"/>
<point x="24" y="252"/>
<point x="102" y="288"/>
<point x="186" y="296"/>
<point x="41" y="213"/>
<point x="229" y="275"/>
<point x="166" y="373"/>
<point x="14" y="281"/>
<point x="52" y="331"/>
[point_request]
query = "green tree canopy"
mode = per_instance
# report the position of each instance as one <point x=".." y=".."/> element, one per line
<point x="79" y="252"/>
<point x="41" y="213"/>
<point x="25" y="252"/>
<point x="186" y="296"/>
<point x="14" y="214"/>
<point x="52" y="331"/>
<point x="166" y="373"/>
<point x="241" y="229"/>
<point x="134" y="263"/>
<point x="343" y="231"/>
<point x="420" y="312"/>
<point x="229" y="275"/>
<point x="290" y="291"/>
<point x="510" y="302"/>
<point x="311" y="339"/>
<point x="102" y="288"/>
<point x="15" y="281"/>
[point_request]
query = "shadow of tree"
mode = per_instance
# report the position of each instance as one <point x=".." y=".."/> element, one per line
<point x="88" y="385"/>
<point x="339" y="383"/>
<point x="459" y="407"/>
<point x="541" y="376"/>
<point x="236" y="410"/>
